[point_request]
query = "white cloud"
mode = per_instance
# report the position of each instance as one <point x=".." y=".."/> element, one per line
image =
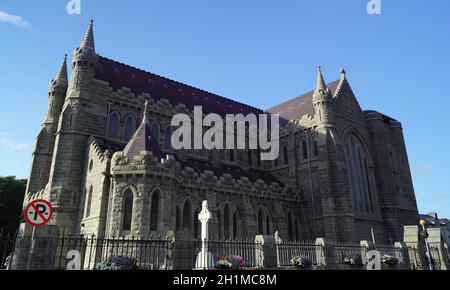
<point x="10" y="145"/>
<point x="14" y="20"/>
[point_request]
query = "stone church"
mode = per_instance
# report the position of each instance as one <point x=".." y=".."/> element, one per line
<point x="106" y="163"/>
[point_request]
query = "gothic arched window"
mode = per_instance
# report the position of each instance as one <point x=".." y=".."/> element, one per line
<point x="285" y="155"/>
<point x="127" y="210"/>
<point x="187" y="217"/>
<point x="130" y="127"/>
<point x="154" y="211"/>
<point x="168" y="138"/>
<point x="290" y="230"/>
<point x="315" y="146"/>
<point x="267" y="225"/>
<point x="197" y="229"/>
<point x="178" y="219"/>
<point x="113" y="125"/>
<point x="304" y="150"/>
<point x="219" y="219"/>
<point x="235" y="226"/>
<point x="260" y="222"/>
<point x="359" y="175"/>
<point x="89" y="202"/>
<point x="226" y="222"/>
<point x="155" y="131"/>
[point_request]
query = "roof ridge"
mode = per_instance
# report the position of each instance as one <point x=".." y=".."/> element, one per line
<point x="299" y="97"/>
<point x="180" y="83"/>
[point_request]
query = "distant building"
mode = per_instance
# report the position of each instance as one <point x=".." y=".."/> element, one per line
<point x="433" y="221"/>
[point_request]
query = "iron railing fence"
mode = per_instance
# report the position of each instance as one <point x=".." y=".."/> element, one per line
<point x="7" y="244"/>
<point x="290" y="249"/>
<point x="343" y="250"/>
<point x="389" y="250"/>
<point x="160" y="254"/>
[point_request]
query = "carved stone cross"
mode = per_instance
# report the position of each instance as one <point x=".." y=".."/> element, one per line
<point x="205" y="259"/>
<point x="204" y="217"/>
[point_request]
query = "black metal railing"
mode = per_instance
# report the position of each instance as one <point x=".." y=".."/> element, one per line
<point x="288" y="250"/>
<point x="159" y="254"/>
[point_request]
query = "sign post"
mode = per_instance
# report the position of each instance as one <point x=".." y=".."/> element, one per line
<point x="37" y="214"/>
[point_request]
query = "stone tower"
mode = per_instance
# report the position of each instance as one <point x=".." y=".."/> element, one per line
<point x="323" y="101"/>
<point x="330" y="200"/>
<point x="45" y="141"/>
<point x="76" y="124"/>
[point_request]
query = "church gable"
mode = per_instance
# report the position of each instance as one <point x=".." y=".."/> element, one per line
<point x="345" y="102"/>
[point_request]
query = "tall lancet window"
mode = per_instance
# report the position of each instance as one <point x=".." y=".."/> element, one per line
<point x="127" y="210"/>
<point x="155" y="131"/>
<point x="226" y="222"/>
<point x="359" y="175"/>
<point x="130" y="127"/>
<point x="187" y="216"/>
<point x="154" y="211"/>
<point x="260" y="222"/>
<point x="89" y="202"/>
<point x="285" y="155"/>
<point x="168" y="138"/>
<point x="113" y="125"/>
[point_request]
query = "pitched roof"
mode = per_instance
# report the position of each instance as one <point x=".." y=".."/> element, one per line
<point x="300" y="106"/>
<point x="142" y="140"/>
<point x="120" y="75"/>
<point x="200" y="165"/>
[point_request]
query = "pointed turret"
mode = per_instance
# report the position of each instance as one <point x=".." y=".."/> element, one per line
<point x="88" y="40"/>
<point x="143" y="139"/>
<point x="62" y="73"/>
<point x="320" y="84"/>
<point x="84" y="63"/>
<point x="57" y="91"/>
<point x="61" y="78"/>
<point x="45" y="141"/>
<point x="322" y="100"/>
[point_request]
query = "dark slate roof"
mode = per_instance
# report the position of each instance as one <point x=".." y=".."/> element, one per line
<point x="120" y="75"/>
<point x="300" y="106"/>
<point x="142" y="140"/>
<point x="200" y="166"/>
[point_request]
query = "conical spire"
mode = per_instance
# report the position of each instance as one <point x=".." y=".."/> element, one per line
<point x="143" y="139"/>
<point x="62" y="73"/>
<point x="88" y="40"/>
<point x="320" y="86"/>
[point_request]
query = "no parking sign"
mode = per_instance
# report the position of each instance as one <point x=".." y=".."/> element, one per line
<point x="38" y="213"/>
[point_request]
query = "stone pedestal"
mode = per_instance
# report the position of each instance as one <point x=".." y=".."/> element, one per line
<point x="266" y="252"/>
<point x="324" y="252"/>
<point x="415" y="247"/>
<point x="439" y="253"/>
<point x="44" y="253"/>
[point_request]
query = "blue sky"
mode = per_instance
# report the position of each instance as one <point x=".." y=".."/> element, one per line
<point x="254" y="51"/>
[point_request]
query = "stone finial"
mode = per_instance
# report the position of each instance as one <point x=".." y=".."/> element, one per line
<point x="343" y="74"/>
<point x="146" y="107"/>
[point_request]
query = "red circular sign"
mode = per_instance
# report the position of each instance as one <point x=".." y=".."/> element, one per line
<point x="38" y="213"/>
